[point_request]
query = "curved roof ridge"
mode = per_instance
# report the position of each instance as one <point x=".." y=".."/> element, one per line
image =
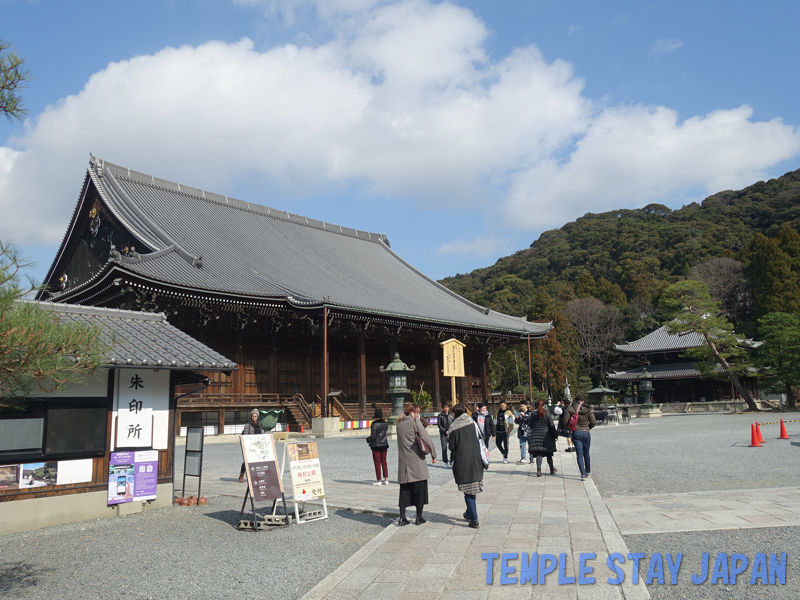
<point x="273" y="213"/>
<point x="483" y="309"/>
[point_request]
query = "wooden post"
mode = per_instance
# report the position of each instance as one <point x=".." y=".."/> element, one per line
<point x="325" y="383"/>
<point x="530" y="372"/>
<point x="362" y="377"/>
<point x="454" y="399"/>
<point x="484" y="375"/>
<point x="221" y="421"/>
<point x="437" y="396"/>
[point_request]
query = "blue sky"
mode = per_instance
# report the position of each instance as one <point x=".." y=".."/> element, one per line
<point x="462" y="130"/>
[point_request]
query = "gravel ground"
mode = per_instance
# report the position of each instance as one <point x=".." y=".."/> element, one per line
<point x="178" y="553"/>
<point x="692" y="453"/>
<point x="742" y="541"/>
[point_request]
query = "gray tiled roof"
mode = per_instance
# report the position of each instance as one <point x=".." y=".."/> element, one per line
<point x="665" y="371"/>
<point x="203" y="241"/>
<point x="144" y="339"/>
<point x="661" y="341"/>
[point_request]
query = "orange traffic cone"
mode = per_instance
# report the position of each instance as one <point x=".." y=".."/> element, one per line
<point x="301" y="428"/>
<point x="754" y="443"/>
<point x="758" y="431"/>
<point x="784" y="435"/>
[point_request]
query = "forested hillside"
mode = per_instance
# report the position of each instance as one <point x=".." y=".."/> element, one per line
<point x="743" y="244"/>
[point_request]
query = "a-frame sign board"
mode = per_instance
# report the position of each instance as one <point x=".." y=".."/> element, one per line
<point x="303" y="461"/>
<point x="263" y="481"/>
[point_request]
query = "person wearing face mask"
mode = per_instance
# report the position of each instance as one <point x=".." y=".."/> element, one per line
<point x="485" y="423"/>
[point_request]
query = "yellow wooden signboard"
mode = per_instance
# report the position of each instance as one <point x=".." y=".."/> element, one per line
<point x="453" y="365"/>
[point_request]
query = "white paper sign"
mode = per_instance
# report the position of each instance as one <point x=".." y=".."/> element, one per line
<point x="74" y="471"/>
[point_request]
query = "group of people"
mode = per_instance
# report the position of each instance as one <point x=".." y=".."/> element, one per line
<point x="465" y="447"/>
<point x="537" y="432"/>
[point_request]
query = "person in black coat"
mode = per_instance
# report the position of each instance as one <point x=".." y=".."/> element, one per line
<point x="542" y="439"/>
<point x="379" y="443"/>
<point x="467" y="463"/>
<point x="443" y="421"/>
<point x="501" y="438"/>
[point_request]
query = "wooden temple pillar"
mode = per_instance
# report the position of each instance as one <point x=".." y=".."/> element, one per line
<point x="362" y="377"/>
<point x="437" y="396"/>
<point x="324" y="367"/>
<point x="485" y="374"/>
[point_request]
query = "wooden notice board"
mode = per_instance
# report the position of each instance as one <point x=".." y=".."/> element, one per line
<point x="453" y="364"/>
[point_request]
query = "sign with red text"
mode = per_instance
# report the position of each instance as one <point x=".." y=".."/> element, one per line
<point x="306" y="472"/>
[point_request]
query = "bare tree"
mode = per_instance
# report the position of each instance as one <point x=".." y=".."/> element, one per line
<point x="726" y="280"/>
<point x="599" y="327"/>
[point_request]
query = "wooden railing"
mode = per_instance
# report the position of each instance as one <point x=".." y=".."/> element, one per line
<point x="342" y="410"/>
<point x="304" y="407"/>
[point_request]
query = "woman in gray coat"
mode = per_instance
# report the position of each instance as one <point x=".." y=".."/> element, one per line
<point x="467" y="463"/>
<point x="412" y="468"/>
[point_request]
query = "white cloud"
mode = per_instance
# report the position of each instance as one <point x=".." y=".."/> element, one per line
<point x="407" y="104"/>
<point x="667" y="45"/>
<point x="479" y="247"/>
<point x="635" y="155"/>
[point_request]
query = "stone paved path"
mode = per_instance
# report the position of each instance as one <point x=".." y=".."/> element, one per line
<point x="704" y="511"/>
<point x="518" y="512"/>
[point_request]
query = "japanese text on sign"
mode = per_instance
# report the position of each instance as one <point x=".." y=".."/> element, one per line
<point x="453" y="364"/>
<point x="135" y="409"/>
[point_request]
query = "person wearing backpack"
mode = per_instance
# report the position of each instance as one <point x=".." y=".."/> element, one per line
<point x="581" y="421"/>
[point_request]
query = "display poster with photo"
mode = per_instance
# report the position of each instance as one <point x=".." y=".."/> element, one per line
<point x="132" y="476"/>
<point x="9" y="477"/>
<point x="261" y="465"/>
<point x="38" y="474"/>
<point x="305" y="469"/>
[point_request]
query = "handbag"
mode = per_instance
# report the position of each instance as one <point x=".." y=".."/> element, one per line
<point x="572" y="424"/>
<point x="421" y="444"/>
<point x="482" y="447"/>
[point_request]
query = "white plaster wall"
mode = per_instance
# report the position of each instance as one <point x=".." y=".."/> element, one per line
<point x="93" y="386"/>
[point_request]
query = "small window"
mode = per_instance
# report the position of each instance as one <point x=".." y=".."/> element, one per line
<point x="22" y="432"/>
<point x="76" y="427"/>
<point x="55" y="428"/>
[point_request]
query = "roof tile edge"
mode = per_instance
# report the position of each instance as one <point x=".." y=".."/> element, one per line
<point x="260" y="209"/>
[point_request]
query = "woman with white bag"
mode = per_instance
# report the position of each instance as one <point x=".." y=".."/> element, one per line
<point x="469" y="460"/>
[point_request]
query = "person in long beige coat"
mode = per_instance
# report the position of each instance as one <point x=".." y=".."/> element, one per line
<point x="412" y="467"/>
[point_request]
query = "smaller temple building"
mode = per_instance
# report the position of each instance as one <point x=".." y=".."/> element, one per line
<point x="676" y="379"/>
<point x="102" y="447"/>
